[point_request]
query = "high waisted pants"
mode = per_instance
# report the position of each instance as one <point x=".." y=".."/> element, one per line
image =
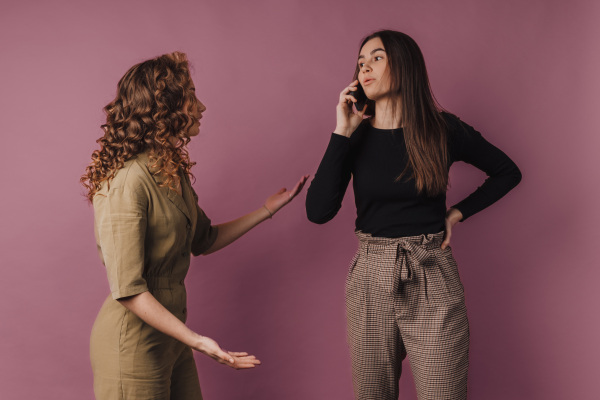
<point x="404" y="297"/>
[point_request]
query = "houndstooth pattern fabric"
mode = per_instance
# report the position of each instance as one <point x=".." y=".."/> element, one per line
<point x="404" y="297"/>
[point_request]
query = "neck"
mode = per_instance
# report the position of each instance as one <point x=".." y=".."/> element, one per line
<point x="385" y="117"/>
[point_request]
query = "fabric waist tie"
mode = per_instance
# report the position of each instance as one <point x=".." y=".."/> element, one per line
<point x="408" y="252"/>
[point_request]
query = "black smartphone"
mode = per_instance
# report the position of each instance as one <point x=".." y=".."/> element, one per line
<point x="360" y="96"/>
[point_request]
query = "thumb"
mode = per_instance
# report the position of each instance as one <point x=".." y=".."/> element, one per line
<point x="362" y="112"/>
<point x="226" y="357"/>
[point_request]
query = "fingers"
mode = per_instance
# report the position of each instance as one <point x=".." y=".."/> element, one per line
<point x="447" y="235"/>
<point x="283" y="196"/>
<point x="238" y="353"/>
<point x="346" y="96"/>
<point x="243" y="360"/>
<point x="350" y="87"/>
<point x="298" y="186"/>
<point x="224" y="357"/>
<point x="247" y="362"/>
<point x="445" y="243"/>
<point x="362" y="112"/>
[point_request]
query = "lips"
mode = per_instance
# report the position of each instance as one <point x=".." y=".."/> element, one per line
<point x="367" y="81"/>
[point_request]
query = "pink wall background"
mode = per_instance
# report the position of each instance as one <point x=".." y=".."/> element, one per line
<point x="523" y="73"/>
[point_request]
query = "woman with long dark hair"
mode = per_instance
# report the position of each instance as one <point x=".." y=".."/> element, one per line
<point x="403" y="291"/>
<point x="147" y="224"/>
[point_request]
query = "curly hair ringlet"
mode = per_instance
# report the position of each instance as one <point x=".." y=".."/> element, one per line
<point x="153" y="105"/>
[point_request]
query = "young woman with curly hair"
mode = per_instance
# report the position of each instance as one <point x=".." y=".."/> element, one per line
<point x="403" y="291"/>
<point x="147" y="224"/>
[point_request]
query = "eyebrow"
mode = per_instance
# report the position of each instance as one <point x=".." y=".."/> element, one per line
<point x="372" y="51"/>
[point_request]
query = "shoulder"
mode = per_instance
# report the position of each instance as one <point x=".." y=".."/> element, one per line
<point x="460" y="135"/>
<point x="453" y="122"/>
<point x="133" y="178"/>
<point x="133" y="175"/>
<point x="458" y="130"/>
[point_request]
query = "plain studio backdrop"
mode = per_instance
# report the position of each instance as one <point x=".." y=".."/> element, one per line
<point x="525" y="74"/>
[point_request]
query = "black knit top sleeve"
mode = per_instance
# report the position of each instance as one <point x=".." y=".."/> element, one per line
<point x="503" y="174"/>
<point x="387" y="207"/>
<point x="326" y="192"/>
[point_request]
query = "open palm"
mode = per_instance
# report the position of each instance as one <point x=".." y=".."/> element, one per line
<point x="284" y="196"/>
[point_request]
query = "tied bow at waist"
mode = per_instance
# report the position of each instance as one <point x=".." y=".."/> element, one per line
<point x="409" y="257"/>
<point x="399" y="259"/>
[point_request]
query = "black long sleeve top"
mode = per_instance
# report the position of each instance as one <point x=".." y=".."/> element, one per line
<point x="390" y="208"/>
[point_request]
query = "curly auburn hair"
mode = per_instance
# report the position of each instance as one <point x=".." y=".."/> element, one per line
<point x="153" y="105"/>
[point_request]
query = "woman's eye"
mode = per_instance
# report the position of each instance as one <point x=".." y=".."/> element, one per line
<point x="360" y="65"/>
<point x="377" y="58"/>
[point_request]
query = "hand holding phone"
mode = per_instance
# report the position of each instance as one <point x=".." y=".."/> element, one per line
<point x="347" y="119"/>
<point x="360" y="96"/>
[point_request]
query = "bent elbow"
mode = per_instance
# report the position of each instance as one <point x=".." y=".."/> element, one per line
<point x="319" y="216"/>
<point x="517" y="176"/>
<point x="317" y="219"/>
<point x="203" y="252"/>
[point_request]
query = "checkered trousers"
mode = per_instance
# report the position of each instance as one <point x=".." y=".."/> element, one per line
<point x="404" y="297"/>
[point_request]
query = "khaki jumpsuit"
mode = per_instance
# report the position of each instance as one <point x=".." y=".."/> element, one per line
<point x="145" y="234"/>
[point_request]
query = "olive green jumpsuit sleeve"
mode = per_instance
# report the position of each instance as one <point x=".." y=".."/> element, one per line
<point x="205" y="234"/>
<point x="121" y="217"/>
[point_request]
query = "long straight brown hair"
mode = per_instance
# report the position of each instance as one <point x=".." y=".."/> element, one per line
<point x="424" y="127"/>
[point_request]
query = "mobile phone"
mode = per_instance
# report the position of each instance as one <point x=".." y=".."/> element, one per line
<point x="360" y="96"/>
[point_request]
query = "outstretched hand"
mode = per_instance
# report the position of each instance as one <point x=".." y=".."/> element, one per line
<point x="233" y="359"/>
<point x="284" y="196"/>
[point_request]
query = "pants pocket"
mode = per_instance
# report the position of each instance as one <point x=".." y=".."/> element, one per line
<point x="448" y="269"/>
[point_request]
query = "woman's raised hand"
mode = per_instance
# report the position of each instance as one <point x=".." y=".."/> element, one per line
<point x="347" y="120"/>
<point x="233" y="359"/>
<point x="284" y="196"/>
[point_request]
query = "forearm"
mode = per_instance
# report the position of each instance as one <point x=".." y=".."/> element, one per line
<point x="230" y="231"/>
<point x="146" y="307"/>
<point x="503" y="174"/>
<point x="325" y="194"/>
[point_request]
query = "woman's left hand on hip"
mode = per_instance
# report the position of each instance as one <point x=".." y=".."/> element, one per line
<point x="453" y="216"/>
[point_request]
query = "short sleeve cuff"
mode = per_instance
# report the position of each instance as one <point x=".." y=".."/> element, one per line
<point x="129" y="291"/>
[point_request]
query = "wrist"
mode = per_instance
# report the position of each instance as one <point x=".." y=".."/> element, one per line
<point x="343" y="131"/>
<point x="454" y="215"/>
<point x="198" y="342"/>
<point x="269" y="212"/>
